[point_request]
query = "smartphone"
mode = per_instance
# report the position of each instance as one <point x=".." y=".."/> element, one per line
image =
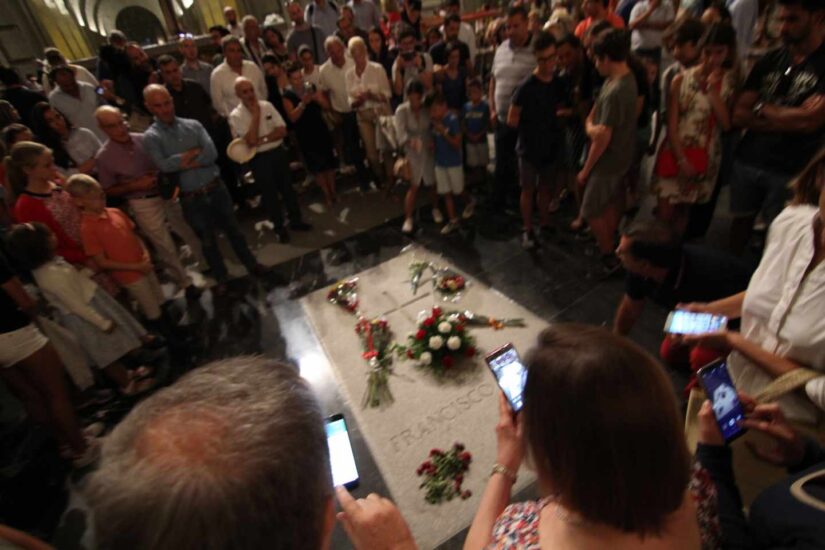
<point x="99" y="90"/>
<point x="687" y="322"/>
<point x="727" y="408"/>
<point x="341" y="457"/>
<point x="510" y="373"/>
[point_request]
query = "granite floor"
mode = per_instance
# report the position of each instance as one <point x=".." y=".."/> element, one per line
<point x="559" y="282"/>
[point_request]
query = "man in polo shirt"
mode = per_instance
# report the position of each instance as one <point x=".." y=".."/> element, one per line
<point x="260" y="126"/>
<point x="512" y="63"/>
<point x="333" y="82"/>
<point x="223" y="77"/>
<point x="76" y="100"/>
<point x="182" y="147"/>
<point x="192" y="101"/>
<point x="193" y="68"/>
<point x="323" y="14"/>
<point x="125" y="170"/>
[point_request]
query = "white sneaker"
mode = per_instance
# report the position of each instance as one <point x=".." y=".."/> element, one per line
<point x="408" y="226"/>
<point x="528" y="240"/>
<point x="438" y="217"/>
<point x="469" y="210"/>
<point x="450" y="227"/>
<point x="89" y="456"/>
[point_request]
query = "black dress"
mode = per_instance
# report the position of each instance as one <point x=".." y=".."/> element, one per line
<point x="313" y="136"/>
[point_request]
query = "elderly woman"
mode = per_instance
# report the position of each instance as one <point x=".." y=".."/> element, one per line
<point x="782" y="321"/>
<point x="369" y="95"/>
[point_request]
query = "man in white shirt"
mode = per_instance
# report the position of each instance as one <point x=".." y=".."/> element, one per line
<point x="76" y="100"/>
<point x="333" y="82"/>
<point x="223" y="78"/>
<point x="366" y="13"/>
<point x="466" y="33"/>
<point x="743" y="14"/>
<point x="258" y="123"/>
<point x="231" y="18"/>
<point x="55" y="57"/>
<point x="323" y="14"/>
<point x="253" y="46"/>
<point x="648" y="20"/>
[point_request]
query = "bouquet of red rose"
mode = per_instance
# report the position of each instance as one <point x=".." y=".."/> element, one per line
<point x="376" y="341"/>
<point x="439" y="341"/>
<point x="344" y="294"/>
<point x="444" y="473"/>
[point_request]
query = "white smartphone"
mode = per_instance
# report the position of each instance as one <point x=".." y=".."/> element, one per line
<point x="510" y="373"/>
<point x="341" y="457"/>
<point x="687" y="322"/>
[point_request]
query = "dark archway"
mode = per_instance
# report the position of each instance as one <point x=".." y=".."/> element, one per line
<point x="140" y="25"/>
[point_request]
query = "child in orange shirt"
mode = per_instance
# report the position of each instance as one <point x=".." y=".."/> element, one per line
<point x="108" y="236"/>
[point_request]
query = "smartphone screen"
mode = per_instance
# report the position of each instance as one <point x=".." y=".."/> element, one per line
<point x="341" y="457"/>
<point x="688" y="322"/>
<point x="510" y="374"/>
<point x="722" y="394"/>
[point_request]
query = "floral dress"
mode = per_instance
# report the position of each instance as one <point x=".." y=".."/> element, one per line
<point x="517" y="528"/>
<point x="695" y="112"/>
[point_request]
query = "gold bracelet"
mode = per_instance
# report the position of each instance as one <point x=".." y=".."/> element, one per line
<point x="505" y="471"/>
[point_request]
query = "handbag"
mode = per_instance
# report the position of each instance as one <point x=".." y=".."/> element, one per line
<point x="667" y="166"/>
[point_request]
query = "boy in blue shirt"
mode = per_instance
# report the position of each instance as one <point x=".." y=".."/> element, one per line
<point x="476" y="114"/>
<point x="449" y="170"/>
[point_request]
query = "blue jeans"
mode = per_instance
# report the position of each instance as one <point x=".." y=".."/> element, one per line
<point x="212" y="212"/>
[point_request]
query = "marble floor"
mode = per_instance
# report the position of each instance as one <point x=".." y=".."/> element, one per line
<point x="558" y="282"/>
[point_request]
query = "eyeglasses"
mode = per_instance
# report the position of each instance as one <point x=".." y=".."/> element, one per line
<point x="185" y="36"/>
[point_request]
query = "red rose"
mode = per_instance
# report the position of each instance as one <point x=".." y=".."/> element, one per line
<point x="471" y="351"/>
<point x="466" y="494"/>
<point x="420" y="334"/>
<point x="447" y="361"/>
<point x="459" y="328"/>
<point x="410" y="354"/>
<point x="465" y="456"/>
<point x="434" y="452"/>
<point x="436" y="311"/>
<point x="428" y="322"/>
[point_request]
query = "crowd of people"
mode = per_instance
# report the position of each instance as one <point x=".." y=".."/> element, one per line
<point x="638" y="112"/>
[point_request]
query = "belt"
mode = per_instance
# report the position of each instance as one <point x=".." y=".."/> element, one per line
<point x="205" y="190"/>
<point x="149" y="196"/>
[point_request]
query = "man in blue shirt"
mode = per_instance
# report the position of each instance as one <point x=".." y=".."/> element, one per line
<point x="181" y="148"/>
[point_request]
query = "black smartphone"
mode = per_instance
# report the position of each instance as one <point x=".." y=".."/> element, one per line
<point x="510" y="373"/>
<point x="341" y="457"/>
<point x="719" y="388"/>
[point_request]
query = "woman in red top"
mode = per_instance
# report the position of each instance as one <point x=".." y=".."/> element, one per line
<point x="31" y="173"/>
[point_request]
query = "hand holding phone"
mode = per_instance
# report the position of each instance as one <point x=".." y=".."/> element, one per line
<point x="727" y="408"/>
<point x="681" y="321"/>
<point x="510" y="373"/>
<point x="341" y="457"/>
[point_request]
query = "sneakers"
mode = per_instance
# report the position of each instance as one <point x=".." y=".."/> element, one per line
<point x="438" y="217"/>
<point x="408" y="226"/>
<point x="528" y="240"/>
<point x="89" y="456"/>
<point x="450" y="227"/>
<point x="468" y="210"/>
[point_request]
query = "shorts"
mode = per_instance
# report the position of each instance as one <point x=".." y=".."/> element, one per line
<point x="19" y="344"/>
<point x="754" y="190"/>
<point x="544" y="175"/>
<point x="449" y="179"/>
<point x="478" y="155"/>
<point x="601" y="192"/>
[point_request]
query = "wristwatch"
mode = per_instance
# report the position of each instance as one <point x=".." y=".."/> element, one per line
<point x="505" y="471"/>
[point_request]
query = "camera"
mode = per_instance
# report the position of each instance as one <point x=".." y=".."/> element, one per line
<point x="309" y="88"/>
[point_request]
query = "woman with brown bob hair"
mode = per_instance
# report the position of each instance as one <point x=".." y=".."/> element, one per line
<point x="602" y="430"/>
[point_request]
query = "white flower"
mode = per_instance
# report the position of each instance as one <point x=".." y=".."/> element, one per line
<point x="436" y="342"/>
<point x="454" y="342"/>
<point x="444" y="327"/>
<point x="422" y="315"/>
<point x="425" y="358"/>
